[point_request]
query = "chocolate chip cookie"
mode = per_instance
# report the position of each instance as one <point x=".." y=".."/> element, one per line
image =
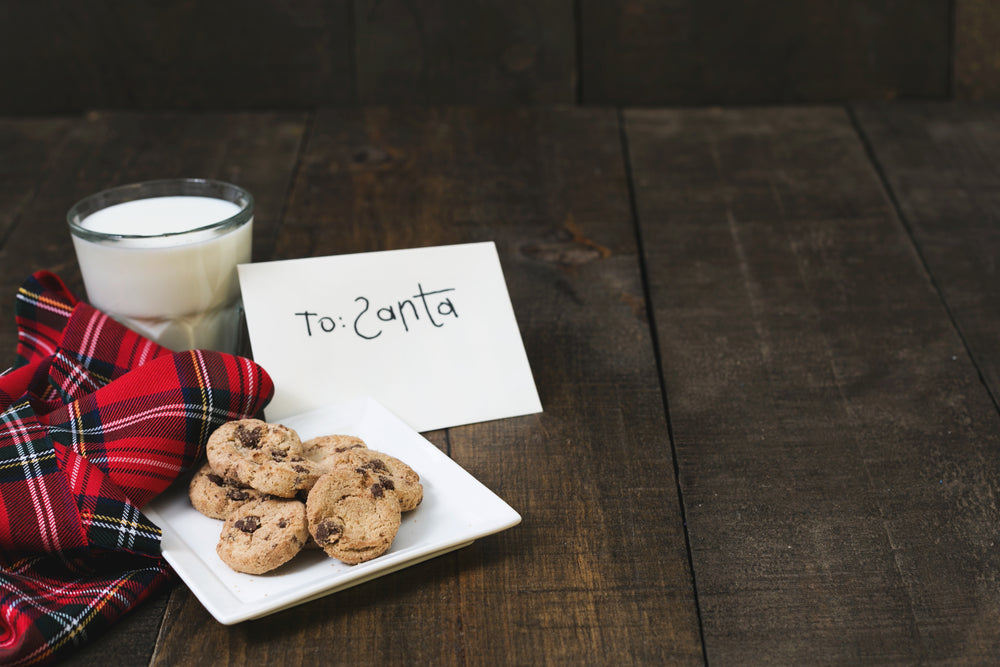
<point x="263" y="456"/>
<point x="390" y="472"/>
<point x="352" y="517"/>
<point x="324" y="449"/>
<point x="215" y="496"/>
<point x="263" y="535"/>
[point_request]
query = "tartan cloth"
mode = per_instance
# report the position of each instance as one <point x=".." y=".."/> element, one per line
<point x="95" y="421"/>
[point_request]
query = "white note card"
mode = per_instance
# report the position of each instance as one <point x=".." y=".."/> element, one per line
<point x="428" y="332"/>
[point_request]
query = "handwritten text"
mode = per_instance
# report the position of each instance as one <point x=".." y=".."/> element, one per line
<point x="370" y="320"/>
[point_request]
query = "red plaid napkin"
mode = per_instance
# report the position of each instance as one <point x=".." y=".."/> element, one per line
<point x="95" y="420"/>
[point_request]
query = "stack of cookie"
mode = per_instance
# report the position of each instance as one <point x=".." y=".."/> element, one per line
<point x="276" y="494"/>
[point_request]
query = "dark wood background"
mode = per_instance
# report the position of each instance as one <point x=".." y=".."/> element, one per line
<point x="824" y="493"/>
<point x="64" y="57"/>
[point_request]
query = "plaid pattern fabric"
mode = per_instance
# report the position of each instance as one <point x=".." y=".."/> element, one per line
<point x="95" y="421"/>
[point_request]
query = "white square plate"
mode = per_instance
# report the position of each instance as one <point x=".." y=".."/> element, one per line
<point x="456" y="510"/>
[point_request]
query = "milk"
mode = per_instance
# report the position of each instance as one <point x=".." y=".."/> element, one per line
<point x="163" y="267"/>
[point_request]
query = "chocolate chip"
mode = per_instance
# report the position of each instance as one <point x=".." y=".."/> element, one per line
<point x="328" y="532"/>
<point x="237" y="494"/>
<point x="249" y="438"/>
<point x="278" y="455"/>
<point x="282" y="523"/>
<point x="248" y="524"/>
<point x="387" y="483"/>
<point x="377" y="465"/>
<point x="377" y="491"/>
<point x="215" y="479"/>
<point x="300" y="469"/>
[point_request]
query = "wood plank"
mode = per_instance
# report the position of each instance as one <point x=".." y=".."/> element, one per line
<point x="597" y="572"/>
<point x="941" y="163"/>
<point x="229" y="55"/>
<point x="976" y="68"/>
<point x="836" y="449"/>
<point x="26" y="146"/>
<point x="676" y="52"/>
<point x="460" y="52"/>
<point x="68" y="159"/>
<point x="268" y="55"/>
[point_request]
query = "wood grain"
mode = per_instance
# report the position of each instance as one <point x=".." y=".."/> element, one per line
<point x="942" y="166"/>
<point x="678" y="52"/>
<point x="226" y="55"/>
<point x="976" y="69"/>
<point x="597" y="573"/>
<point x="836" y="448"/>
<point x="27" y="147"/>
<point x="272" y="55"/>
<point x="461" y="52"/>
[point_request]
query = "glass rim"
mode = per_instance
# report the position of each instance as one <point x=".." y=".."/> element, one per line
<point x="166" y="187"/>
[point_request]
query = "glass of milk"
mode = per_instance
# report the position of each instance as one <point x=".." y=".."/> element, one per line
<point x="160" y="257"/>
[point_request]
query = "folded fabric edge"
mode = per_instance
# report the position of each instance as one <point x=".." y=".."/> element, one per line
<point x="42" y="307"/>
<point x="43" y="618"/>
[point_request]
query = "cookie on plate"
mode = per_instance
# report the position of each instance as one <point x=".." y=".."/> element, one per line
<point x="263" y="456"/>
<point x="352" y="517"/>
<point x="217" y="497"/>
<point x="263" y="535"/>
<point x="323" y="450"/>
<point x="390" y="472"/>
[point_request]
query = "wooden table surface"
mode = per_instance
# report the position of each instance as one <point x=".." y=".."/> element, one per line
<point x="766" y="340"/>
